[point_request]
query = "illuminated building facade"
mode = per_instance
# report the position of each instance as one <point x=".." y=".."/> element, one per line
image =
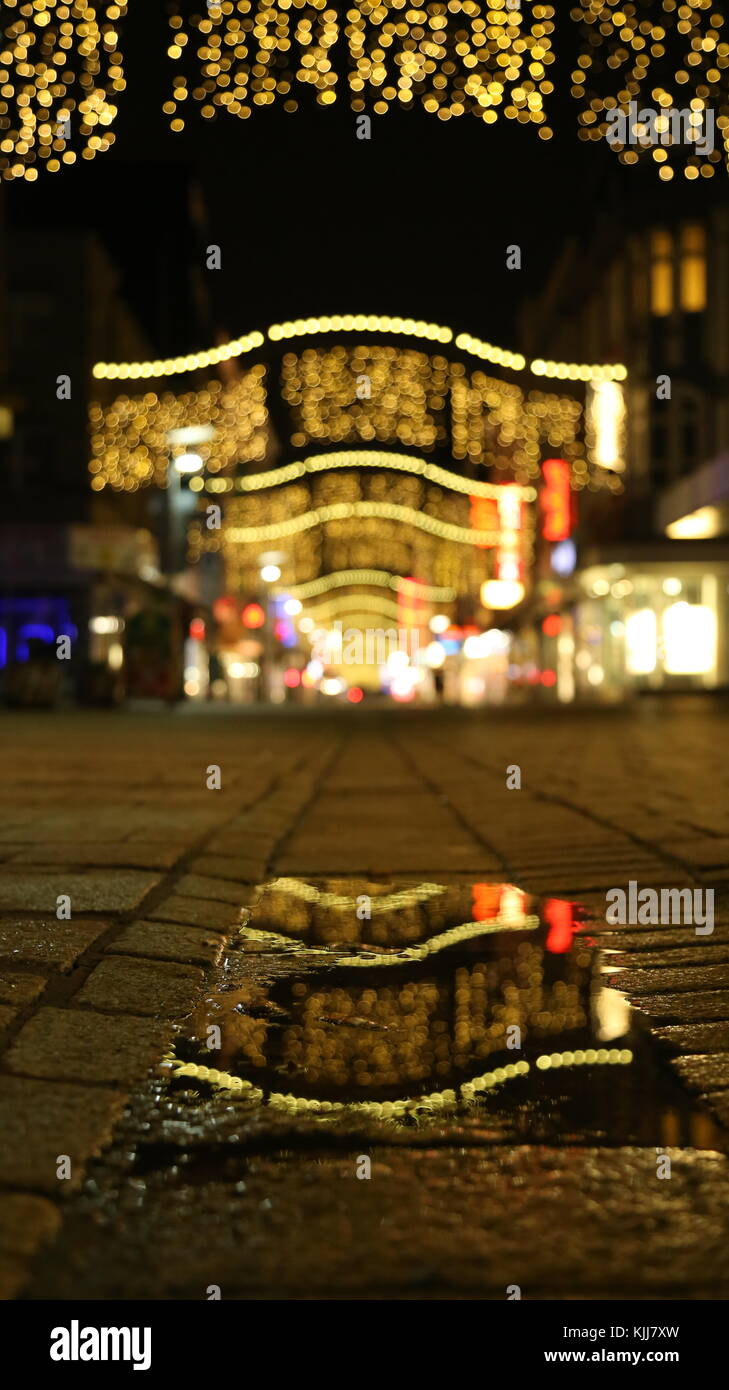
<point x="654" y="296"/>
<point x="69" y="556"/>
<point x="342" y="445"/>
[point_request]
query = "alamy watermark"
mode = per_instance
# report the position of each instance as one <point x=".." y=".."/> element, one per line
<point x="668" y="907"/>
<point x="80" y="1343"/>
<point x="371" y="646"/>
<point x="666" y="126"/>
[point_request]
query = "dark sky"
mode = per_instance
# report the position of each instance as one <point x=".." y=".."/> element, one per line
<point x="312" y="220"/>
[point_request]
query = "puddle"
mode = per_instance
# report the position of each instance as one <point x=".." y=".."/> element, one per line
<point x="412" y="1002"/>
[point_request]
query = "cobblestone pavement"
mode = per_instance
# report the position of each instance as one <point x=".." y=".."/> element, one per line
<point x="117" y="1182"/>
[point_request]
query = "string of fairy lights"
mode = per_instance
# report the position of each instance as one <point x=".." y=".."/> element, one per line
<point x="328" y="523"/>
<point x="451" y="58"/>
<point x="61" y="71"/>
<point x="652" y="80"/>
<point x="449" y="1032"/>
<point x="330" y="511"/>
<point x="651" y="76"/>
<point x="413" y="400"/>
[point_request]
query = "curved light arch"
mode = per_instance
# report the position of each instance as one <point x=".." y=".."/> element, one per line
<point x="467" y="1093"/>
<point x="354" y="606"/>
<point x="377" y="458"/>
<point x="354" y="578"/>
<point x="419" y="329"/>
<point x="350" y="511"/>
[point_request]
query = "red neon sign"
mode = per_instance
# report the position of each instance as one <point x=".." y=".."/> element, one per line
<point x="562" y="925"/>
<point x="486" y="899"/>
<point x="253" y="615"/>
<point x="484" y="517"/>
<point x="556" y="500"/>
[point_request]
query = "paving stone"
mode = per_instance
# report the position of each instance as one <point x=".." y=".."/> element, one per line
<point x="129" y="856"/>
<point x="700" y="954"/>
<point x="91" y="892"/>
<point x="39" y="1120"/>
<point x="707" y="1006"/>
<point x="50" y="942"/>
<point x="663" y="938"/>
<point x="430" y="1224"/>
<point x="76" y="1045"/>
<point x="706" y="853"/>
<point x="664" y="980"/>
<point x="246" y="843"/>
<point x="6" y="1016"/>
<point x="381" y="859"/>
<point x="237" y="870"/>
<point x="160" y="989"/>
<point x="26" y="1221"/>
<point x="193" y="913"/>
<point x="210" y="889"/>
<point x="14" y="1275"/>
<point x="718" y="1101"/>
<point x="169" y="941"/>
<point x="188" y="819"/>
<point x="18" y="989"/>
<point x="695" y="1037"/>
<point x="704" y="1073"/>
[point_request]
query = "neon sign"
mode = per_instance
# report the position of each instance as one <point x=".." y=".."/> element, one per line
<point x="556" y="500"/>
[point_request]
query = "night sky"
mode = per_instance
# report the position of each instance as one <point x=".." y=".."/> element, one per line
<point x="312" y="220"/>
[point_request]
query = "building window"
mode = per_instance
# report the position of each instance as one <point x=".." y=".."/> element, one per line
<point x="661" y="273"/>
<point x="693" y="269"/>
<point x="640" y="283"/>
<point x="659" y="447"/>
<point x="689" y="434"/>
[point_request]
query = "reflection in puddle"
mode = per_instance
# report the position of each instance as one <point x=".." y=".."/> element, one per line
<point x="407" y="1001"/>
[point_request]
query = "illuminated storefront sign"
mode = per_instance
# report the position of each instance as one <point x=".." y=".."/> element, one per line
<point x="689" y="636"/>
<point x="555" y="500"/>
<point x="606" y="424"/>
<point x="484" y="516"/>
<point x="641" y="642"/>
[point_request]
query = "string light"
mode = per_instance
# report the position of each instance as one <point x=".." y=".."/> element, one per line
<point x="579" y="371"/>
<point x="376" y="458"/>
<point x="348" y="511"/>
<point x="454" y="58"/>
<point x="360" y="323"/>
<point x="653" y="84"/>
<point x="488" y="353"/>
<point x="175" y="366"/>
<point x="310" y="893"/>
<point x="360" y="394"/>
<point x="345" y="603"/>
<point x="60" y="71"/>
<point x="130" y="445"/>
<point x="363" y="577"/>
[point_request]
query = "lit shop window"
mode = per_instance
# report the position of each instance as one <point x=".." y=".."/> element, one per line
<point x="693" y="269"/>
<point x="641" y="642"/>
<point x="661" y="273"/>
<point x="689" y="635"/>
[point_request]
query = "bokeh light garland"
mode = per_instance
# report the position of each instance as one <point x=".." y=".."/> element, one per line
<point x="60" y="73"/>
<point x="452" y="58"/>
<point x="667" y="60"/>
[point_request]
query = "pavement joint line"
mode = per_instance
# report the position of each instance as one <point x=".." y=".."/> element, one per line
<point x="554" y="799"/>
<point x="458" y="816"/>
<point x="279" y="846"/>
<point x="61" y="988"/>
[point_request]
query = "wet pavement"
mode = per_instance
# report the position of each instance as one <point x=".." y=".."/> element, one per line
<point x="415" y="1078"/>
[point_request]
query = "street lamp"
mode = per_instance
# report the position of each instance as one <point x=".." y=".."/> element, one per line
<point x="269" y="568"/>
<point x="188" y="463"/>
